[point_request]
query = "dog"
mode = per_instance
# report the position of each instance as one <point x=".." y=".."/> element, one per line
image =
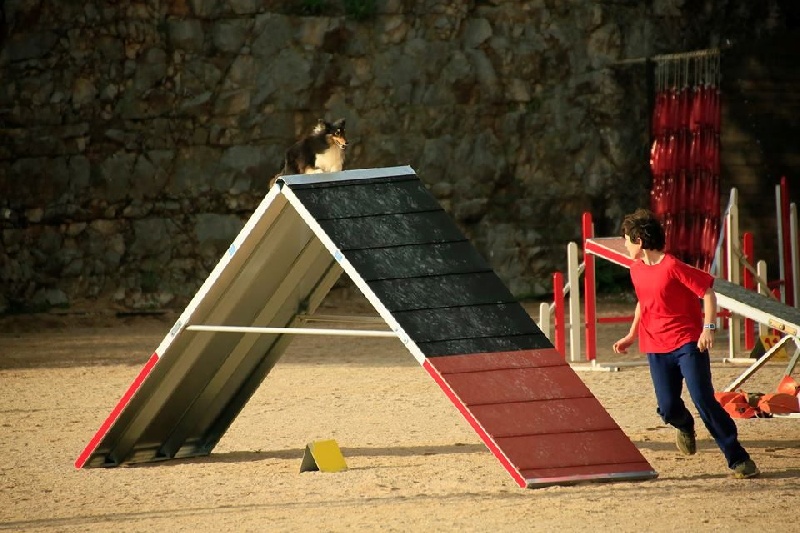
<point x="322" y="150"/>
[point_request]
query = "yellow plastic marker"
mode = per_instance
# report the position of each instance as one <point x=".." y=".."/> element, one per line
<point x="765" y="342"/>
<point x="323" y="455"/>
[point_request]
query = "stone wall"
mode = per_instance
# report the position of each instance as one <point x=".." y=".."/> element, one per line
<point x="137" y="137"/>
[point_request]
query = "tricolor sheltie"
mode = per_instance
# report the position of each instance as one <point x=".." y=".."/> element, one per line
<point x="320" y="151"/>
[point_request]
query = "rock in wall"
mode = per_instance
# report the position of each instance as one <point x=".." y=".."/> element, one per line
<point x="137" y="137"/>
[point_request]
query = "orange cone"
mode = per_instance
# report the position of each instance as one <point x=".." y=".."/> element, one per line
<point x="779" y="403"/>
<point x="736" y="404"/>
<point x="788" y="386"/>
<point x="726" y="397"/>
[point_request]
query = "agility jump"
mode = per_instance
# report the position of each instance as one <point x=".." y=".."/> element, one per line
<point x="435" y="292"/>
<point x="747" y="279"/>
<point x="736" y="299"/>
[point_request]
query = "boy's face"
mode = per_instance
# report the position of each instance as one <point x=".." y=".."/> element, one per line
<point x="634" y="249"/>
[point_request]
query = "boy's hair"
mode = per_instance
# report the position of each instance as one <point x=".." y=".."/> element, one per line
<point x="643" y="227"/>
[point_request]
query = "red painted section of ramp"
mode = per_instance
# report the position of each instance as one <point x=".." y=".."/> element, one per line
<point x="537" y="417"/>
<point x="137" y="382"/>
<point x="485" y="437"/>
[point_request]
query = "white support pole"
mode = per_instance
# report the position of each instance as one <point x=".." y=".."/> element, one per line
<point x="294" y="331"/>
<point x="573" y="278"/>
<point x="795" y="250"/>
<point x="734" y="271"/>
<point x="761" y="361"/>
<point x="342" y="319"/>
<point x="779" y="219"/>
<point x="544" y="320"/>
<point x="761" y="269"/>
<point x="581" y="268"/>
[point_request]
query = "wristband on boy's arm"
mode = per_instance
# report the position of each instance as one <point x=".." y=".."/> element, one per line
<point x="711" y="326"/>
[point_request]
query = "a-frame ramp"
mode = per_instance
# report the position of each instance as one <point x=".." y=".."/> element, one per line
<point x="735" y="298"/>
<point x="429" y="284"/>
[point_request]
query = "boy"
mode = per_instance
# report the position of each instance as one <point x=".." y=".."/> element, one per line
<point x="676" y="333"/>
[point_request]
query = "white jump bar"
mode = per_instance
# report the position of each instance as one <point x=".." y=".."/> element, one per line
<point x="294" y="331"/>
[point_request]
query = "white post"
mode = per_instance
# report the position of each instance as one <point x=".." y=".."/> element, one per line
<point x="293" y="331"/>
<point x="779" y="219"/>
<point x="544" y="320"/>
<point x="761" y="269"/>
<point x="573" y="278"/>
<point x="734" y="271"/>
<point x="793" y="233"/>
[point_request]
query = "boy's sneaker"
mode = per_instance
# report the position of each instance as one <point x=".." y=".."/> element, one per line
<point x="745" y="469"/>
<point x="686" y="442"/>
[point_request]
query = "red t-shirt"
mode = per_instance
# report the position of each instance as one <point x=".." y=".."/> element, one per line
<point x="671" y="313"/>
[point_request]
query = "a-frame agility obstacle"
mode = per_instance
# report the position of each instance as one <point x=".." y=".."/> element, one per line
<point x="424" y="278"/>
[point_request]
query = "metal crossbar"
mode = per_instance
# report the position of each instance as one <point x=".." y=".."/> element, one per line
<point x="761" y="361"/>
<point x="293" y="331"/>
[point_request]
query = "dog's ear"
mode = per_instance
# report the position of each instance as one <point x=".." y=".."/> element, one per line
<point x="321" y="126"/>
<point x="339" y="124"/>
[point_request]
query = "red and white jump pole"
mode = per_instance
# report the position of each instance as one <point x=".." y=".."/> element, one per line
<point x="748" y="282"/>
<point x="590" y="286"/>
<point x="590" y="295"/>
<point x="560" y="341"/>
<point x="782" y="206"/>
<point x="787" y="245"/>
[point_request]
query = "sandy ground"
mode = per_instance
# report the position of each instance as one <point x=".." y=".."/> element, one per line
<point x="414" y="464"/>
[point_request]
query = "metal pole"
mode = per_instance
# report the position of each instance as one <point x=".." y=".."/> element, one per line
<point x="293" y="331"/>
<point x="763" y="288"/>
<point x="748" y="282"/>
<point x="544" y="320"/>
<point x="574" y="303"/>
<point x="794" y="250"/>
<point x="560" y="327"/>
<point x="781" y="248"/>
<point x="734" y="274"/>
<point x="589" y="295"/>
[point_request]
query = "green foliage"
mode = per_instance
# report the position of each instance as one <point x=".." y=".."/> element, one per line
<point x="534" y="104"/>
<point x="611" y="279"/>
<point x="309" y="8"/>
<point x="149" y="282"/>
<point x="20" y="307"/>
<point x="360" y="9"/>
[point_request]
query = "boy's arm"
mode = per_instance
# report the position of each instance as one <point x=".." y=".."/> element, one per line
<point x="706" y="340"/>
<point x="710" y="307"/>
<point x="621" y="346"/>
<point x="637" y="314"/>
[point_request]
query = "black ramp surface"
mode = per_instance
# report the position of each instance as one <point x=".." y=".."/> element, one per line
<point x="384" y="196"/>
<point x="420" y="265"/>
<point x="477" y="288"/>
<point x="391" y="230"/>
<point x="411" y="261"/>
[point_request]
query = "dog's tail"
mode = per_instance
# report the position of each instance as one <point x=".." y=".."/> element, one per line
<point x="281" y="172"/>
<point x="275" y="178"/>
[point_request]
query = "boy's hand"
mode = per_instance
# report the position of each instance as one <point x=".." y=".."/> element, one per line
<point x="706" y="340"/>
<point x="621" y="346"/>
